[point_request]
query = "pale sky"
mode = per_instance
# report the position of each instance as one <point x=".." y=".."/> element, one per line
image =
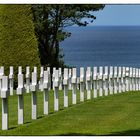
<point x="118" y="15"/>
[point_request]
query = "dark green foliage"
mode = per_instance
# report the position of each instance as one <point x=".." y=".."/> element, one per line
<point x="50" y="22"/>
<point x="18" y="43"/>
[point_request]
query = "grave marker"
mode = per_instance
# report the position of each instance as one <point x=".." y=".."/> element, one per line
<point x="41" y="78"/>
<point x="27" y="79"/>
<point x="4" y="95"/>
<point x="100" y="78"/>
<point x="49" y="74"/>
<point x="131" y="77"/>
<point x="115" y="80"/>
<point x="70" y="75"/>
<point x="53" y="77"/>
<point x="11" y="80"/>
<point x="34" y="88"/>
<point x="123" y="80"/>
<point x="137" y="79"/>
<point x="78" y="83"/>
<point x="60" y="78"/>
<point x="127" y="79"/>
<point x="105" y="78"/>
<point x="111" y="80"/>
<point x="134" y="80"/>
<point x="88" y="81"/>
<point x="56" y="86"/>
<point x="65" y="83"/>
<point x="120" y="79"/>
<point x="73" y="80"/>
<point x="20" y="91"/>
<point x="95" y="82"/>
<point x="82" y="80"/>
<point x="46" y="92"/>
<point x="1" y="74"/>
<point x="35" y="69"/>
<point x="91" y="79"/>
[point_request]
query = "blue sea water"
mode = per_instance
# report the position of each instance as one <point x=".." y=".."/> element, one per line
<point x="103" y="46"/>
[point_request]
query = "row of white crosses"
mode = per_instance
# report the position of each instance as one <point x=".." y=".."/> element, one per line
<point x="109" y="80"/>
<point x="102" y="81"/>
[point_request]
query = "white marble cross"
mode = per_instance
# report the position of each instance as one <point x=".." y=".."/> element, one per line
<point x="105" y="78"/>
<point x="1" y="74"/>
<point x="46" y="92"/>
<point x="131" y="78"/>
<point x="78" y="83"/>
<point x="34" y="88"/>
<point x="82" y="81"/>
<point x="4" y="90"/>
<point x="49" y="74"/>
<point x="65" y="83"/>
<point x="35" y="69"/>
<point x="20" y="88"/>
<point x="100" y="78"/>
<point x="115" y="80"/>
<point x="88" y="81"/>
<point x="27" y="79"/>
<point x="123" y="79"/>
<point x="53" y="77"/>
<point x="4" y="95"/>
<point x="73" y="80"/>
<point x="60" y="78"/>
<point x="56" y="86"/>
<point x="95" y="78"/>
<point x="20" y="91"/>
<point x="11" y="80"/>
<point x="111" y="80"/>
<point x="120" y="79"/>
<point x="134" y="79"/>
<point x="127" y="79"/>
<point x="137" y="79"/>
<point x="91" y="79"/>
<point x="70" y="76"/>
<point x="41" y="78"/>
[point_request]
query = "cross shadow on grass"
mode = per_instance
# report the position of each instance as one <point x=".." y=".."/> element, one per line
<point x="76" y="134"/>
<point x="135" y="132"/>
<point x="41" y="116"/>
<point x="13" y="127"/>
<point x="27" y="122"/>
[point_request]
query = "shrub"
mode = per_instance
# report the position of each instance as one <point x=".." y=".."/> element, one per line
<point x="18" y="43"/>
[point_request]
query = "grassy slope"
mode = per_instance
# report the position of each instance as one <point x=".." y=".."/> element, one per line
<point x="112" y="115"/>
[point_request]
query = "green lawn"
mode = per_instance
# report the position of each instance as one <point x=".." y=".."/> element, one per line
<point x="113" y="115"/>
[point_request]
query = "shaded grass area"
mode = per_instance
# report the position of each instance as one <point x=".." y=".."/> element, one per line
<point x="112" y="115"/>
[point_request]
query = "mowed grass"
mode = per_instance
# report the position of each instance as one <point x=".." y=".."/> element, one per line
<point x="117" y="114"/>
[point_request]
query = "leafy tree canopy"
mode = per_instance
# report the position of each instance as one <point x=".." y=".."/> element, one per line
<point x="50" y="23"/>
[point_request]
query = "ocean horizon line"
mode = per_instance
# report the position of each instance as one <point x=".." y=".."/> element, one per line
<point x="89" y="26"/>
